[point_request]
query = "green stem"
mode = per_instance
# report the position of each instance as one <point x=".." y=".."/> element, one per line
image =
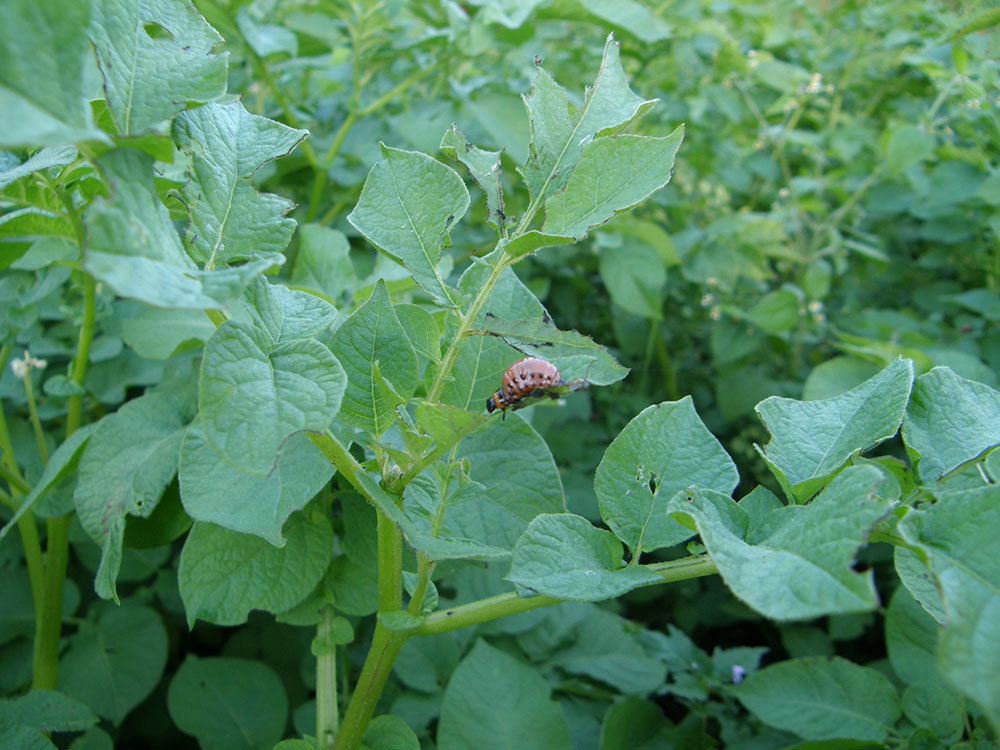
<point x="667" y="366"/>
<point x="319" y="178"/>
<point x="464" y="326"/>
<point x="36" y="424"/>
<point x="26" y="523"/>
<point x="45" y="668"/>
<point x="378" y="665"/>
<point x="390" y="565"/>
<point x="8" y="471"/>
<point x="327" y="713"/>
<point x="319" y="174"/>
<point x="505" y="605"/>
<point x="425" y="566"/>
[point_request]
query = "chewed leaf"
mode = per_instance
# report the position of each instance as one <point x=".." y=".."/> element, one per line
<point x="484" y="167"/>
<point x="795" y="563"/>
<point x="577" y="356"/>
<point x="230" y="220"/>
<point x="155" y="57"/>
<point x="664" y="449"/>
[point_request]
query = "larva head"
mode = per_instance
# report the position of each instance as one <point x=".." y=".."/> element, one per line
<point x="496" y="401"/>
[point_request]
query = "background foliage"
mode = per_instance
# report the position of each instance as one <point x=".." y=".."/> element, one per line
<point x="833" y="208"/>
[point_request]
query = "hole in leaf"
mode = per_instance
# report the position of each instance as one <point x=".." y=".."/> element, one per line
<point x="155" y="31"/>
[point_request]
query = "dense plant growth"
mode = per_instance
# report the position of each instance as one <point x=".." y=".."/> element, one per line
<point x="264" y="262"/>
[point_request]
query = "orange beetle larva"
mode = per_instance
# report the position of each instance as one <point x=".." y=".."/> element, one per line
<point x="526" y="377"/>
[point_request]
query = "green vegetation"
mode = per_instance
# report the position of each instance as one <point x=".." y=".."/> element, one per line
<point x="264" y="262"/>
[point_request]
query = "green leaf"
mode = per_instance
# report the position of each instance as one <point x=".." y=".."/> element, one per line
<point x="224" y="575"/>
<point x="442" y="522"/>
<point x="515" y="466"/>
<point x="630" y="16"/>
<point x="228" y="703"/>
<point x="613" y="174"/>
<point x="565" y="556"/>
<point x="156" y="333"/>
<point x="323" y="263"/>
<point x="812" y="440"/>
<point x="796" y="562"/>
<point x="493" y="699"/>
<point x="633" y="723"/>
<point x="557" y="138"/>
<point x="984" y="19"/>
<point x="132" y="245"/>
<point x="576" y="355"/>
<point x="532" y="241"/>
<point x="155" y="56"/>
<point x="407" y="205"/>
<point x="913" y="574"/>
<point x="34" y="222"/>
<point x="822" y="699"/>
<point x="24" y="738"/>
<point x="836" y="375"/>
<point x="910" y="638"/>
<point x="93" y="739"/>
<point x="421" y="329"/>
<point x="445" y="424"/>
<point x="230" y="220"/>
<point x="908" y="145"/>
<point x="605" y="647"/>
<point x="61" y="464"/>
<point x="983" y="302"/>
<point x="957" y="535"/>
<point x="45" y="252"/>
<point x="46" y="158"/>
<point x="48" y="711"/>
<point x="484" y="166"/>
<point x="935" y="707"/>
<point x="664" y="449"/>
<point x="113" y="665"/>
<point x="949" y="421"/>
<point x="388" y="732"/>
<point x="634" y="275"/>
<point x="265" y="38"/>
<point x="43" y="49"/>
<point x="219" y="493"/>
<point x="260" y="384"/>
<point x="128" y="462"/>
<point x="373" y="334"/>
<point x="776" y="313"/>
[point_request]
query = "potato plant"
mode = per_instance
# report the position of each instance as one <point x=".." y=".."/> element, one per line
<point x="259" y="281"/>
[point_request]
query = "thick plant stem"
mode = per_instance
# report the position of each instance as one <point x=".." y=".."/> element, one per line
<point x="390" y="565"/>
<point x="381" y="656"/>
<point x="45" y="667"/>
<point x="504" y="605"/>
<point x="327" y="715"/>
